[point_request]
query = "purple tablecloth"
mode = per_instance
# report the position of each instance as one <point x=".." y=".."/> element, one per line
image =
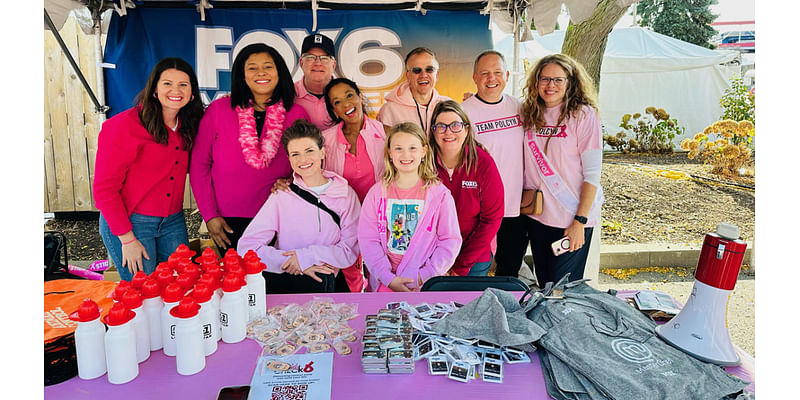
<point x="233" y="365"/>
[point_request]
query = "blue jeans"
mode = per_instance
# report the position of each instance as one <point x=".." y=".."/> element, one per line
<point x="160" y="237"/>
<point x="480" y="268"/>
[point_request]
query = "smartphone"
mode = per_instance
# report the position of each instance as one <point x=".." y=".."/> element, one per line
<point x="233" y="393"/>
<point x="560" y="246"/>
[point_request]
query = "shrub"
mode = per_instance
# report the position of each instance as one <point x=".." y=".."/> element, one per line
<point x="728" y="151"/>
<point x="738" y="103"/>
<point x="649" y="133"/>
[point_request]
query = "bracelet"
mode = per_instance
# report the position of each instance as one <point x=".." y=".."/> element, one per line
<point x="129" y="242"/>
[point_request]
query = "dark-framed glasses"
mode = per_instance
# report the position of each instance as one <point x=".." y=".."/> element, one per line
<point x="418" y="70"/>
<point x="455" y="127"/>
<point x="544" y="81"/>
<point x="312" y="58"/>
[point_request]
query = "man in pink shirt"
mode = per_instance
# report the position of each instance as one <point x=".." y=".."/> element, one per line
<point x="495" y="120"/>
<point x="318" y="63"/>
<point x="414" y="100"/>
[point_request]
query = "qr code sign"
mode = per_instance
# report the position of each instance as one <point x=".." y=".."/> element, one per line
<point x="289" y="392"/>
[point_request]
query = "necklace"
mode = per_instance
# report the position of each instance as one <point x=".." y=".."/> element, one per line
<point x="257" y="156"/>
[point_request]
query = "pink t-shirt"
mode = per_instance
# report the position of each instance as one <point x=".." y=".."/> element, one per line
<point x="572" y="139"/>
<point x="403" y="211"/>
<point x="357" y="167"/>
<point x="499" y="127"/>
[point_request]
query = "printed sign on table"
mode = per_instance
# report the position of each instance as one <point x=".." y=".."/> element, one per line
<point x="301" y="376"/>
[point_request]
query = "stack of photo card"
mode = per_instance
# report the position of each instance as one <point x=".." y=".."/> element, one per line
<point x="387" y="343"/>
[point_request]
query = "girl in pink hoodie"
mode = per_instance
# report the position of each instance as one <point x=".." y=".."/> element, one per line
<point x="305" y="245"/>
<point x="408" y="231"/>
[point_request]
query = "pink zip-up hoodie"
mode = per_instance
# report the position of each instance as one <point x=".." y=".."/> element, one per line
<point x="304" y="228"/>
<point x="401" y="107"/>
<point x="374" y="139"/>
<point x="431" y="251"/>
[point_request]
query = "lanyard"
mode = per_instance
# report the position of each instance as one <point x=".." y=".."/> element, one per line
<point x="419" y="115"/>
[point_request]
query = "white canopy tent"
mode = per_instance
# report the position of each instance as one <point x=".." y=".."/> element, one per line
<point x="643" y="68"/>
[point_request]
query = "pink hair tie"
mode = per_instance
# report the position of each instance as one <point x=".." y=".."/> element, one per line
<point x="129" y="242"/>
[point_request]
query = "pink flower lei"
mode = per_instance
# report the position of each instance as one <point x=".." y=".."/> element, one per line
<point x="254" y="156"/>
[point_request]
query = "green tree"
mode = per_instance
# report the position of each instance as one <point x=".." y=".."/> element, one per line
<point x="687" y="20"/>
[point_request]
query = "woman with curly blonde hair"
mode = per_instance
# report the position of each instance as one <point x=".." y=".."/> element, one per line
<point x="563" y="157"/>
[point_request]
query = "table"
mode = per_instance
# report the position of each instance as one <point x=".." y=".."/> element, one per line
<point x="234" y="364"/>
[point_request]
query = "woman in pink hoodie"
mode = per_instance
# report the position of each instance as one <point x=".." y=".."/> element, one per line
<point x="306" y="235"/>
<point x="408" y="231"/>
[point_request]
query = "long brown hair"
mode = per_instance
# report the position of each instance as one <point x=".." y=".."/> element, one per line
<point x="189" y="115"/>
<point x="426" y="170"/>
<point x="468" y="155"/>
<point x="580" y="91"/>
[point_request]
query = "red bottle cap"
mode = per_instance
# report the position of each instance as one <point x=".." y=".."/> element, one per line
<point x="187" y="308"/>
<point x="173" y="293"/>
<point x="88" y="311"/>
<point x="231" y="283"/>
<point x="121" y="288"/>
<point x="182" y="264"/>
<point x="208" y="255"/>
<point x="164" y="277"/>
<point x="186" y="281"/>
<point x="151" y="288"/>
<point x="254" y="266"/>
<point x="214" y="270"/>
<point x="164" y="266"/>
<point x="208" y="280"/>
<point x="184" y="251"/>
<point x="173" y="259"/>
<point x="118" y="315"/>
<point x="251" y="254"/>
<point x="192" y="270"/>
<point x="132" y="299"/>
<point x="202" y="292"/>
<point x="138" y="279"/>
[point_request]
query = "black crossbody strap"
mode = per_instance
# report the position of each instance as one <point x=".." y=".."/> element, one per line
<point x="315" y="201"/>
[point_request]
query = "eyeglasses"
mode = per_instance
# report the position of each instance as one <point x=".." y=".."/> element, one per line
<point x="455" y="127"/>
<point x="417" y="70"/>
<point x="312" y="58"/>
<point x="544" y="81"/>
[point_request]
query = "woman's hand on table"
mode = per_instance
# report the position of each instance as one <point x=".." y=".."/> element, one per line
<point x="217" y="227"/>
<point x="576" y="235"/>
<point x="281" y="184"/>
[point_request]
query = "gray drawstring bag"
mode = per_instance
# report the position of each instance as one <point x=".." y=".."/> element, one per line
<point x="496" y="317"/>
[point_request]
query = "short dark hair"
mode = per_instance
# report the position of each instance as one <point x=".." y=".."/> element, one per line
<point x="329" y="105"/>
<point x="420" y="50"/>
<point x="240" y="93"/>
<point x="189" y="115"/>
<point x="299" y="129"/>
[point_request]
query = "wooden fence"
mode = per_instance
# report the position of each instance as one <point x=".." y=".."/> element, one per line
<point x="71" y="125"/>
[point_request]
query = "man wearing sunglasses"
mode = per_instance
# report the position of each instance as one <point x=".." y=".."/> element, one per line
<point x="494" y="117"/>
<point x="318" y="63"/>
<point x="414" y="100"/>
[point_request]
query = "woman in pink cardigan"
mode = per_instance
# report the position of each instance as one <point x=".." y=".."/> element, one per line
<point x="305" y="241"/>
<point x="237" y="157"/>
<point x="408" y="231"/>
<point x="140" y="169"/>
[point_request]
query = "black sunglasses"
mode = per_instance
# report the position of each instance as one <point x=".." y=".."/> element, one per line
<point x="429" y="69"/>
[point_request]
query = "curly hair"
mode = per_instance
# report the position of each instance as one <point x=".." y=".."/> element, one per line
<point x="580" y="91"/>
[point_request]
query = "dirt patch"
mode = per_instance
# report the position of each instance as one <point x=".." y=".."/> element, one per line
<point x="649" y="199"/>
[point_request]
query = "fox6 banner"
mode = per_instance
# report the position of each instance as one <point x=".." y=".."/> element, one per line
<point x="370" y="46"/>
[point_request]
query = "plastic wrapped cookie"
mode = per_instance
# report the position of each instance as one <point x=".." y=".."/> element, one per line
<point x="318" y="347"/>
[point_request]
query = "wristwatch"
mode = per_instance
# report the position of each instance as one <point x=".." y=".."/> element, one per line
<point x="582" y="220"/>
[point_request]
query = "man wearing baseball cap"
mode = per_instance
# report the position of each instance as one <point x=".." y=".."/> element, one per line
<point x="318" y="63"/>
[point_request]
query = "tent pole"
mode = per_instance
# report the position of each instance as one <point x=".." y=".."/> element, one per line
<point x="71" y="60"/>
<point x="98" y="56"/>
<point x="515" y="74"/>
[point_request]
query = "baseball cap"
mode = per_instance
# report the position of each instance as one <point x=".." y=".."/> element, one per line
<point x="318" y="40"/>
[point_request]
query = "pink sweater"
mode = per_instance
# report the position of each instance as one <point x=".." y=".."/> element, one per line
<point x="374" y="138"/>
<point x="400" y="107"/>
<point x="134" y="174"/>
<point x="431" y="251"/>
<point x="304" y="228"/>
<point x="314" y="106"/>
<point x="222" y="183"/>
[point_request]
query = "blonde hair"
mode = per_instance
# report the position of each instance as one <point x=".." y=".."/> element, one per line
<point x="580" y="91"/>
<point x="426" y="170"/>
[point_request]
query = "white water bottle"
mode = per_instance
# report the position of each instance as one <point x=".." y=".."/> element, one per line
<point x="190" y="357"/>
<point x="216" y="290"/>
<point x="132" y="300"/>
<point x="172" y="294"/>
<point x="233" y="317"/>
<point x="89" y="340"/>
<point x="209" y="317"/>
<point x="120" y="345"/>
<point x="153" y="306"/>
<point x="256" y="286"/>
